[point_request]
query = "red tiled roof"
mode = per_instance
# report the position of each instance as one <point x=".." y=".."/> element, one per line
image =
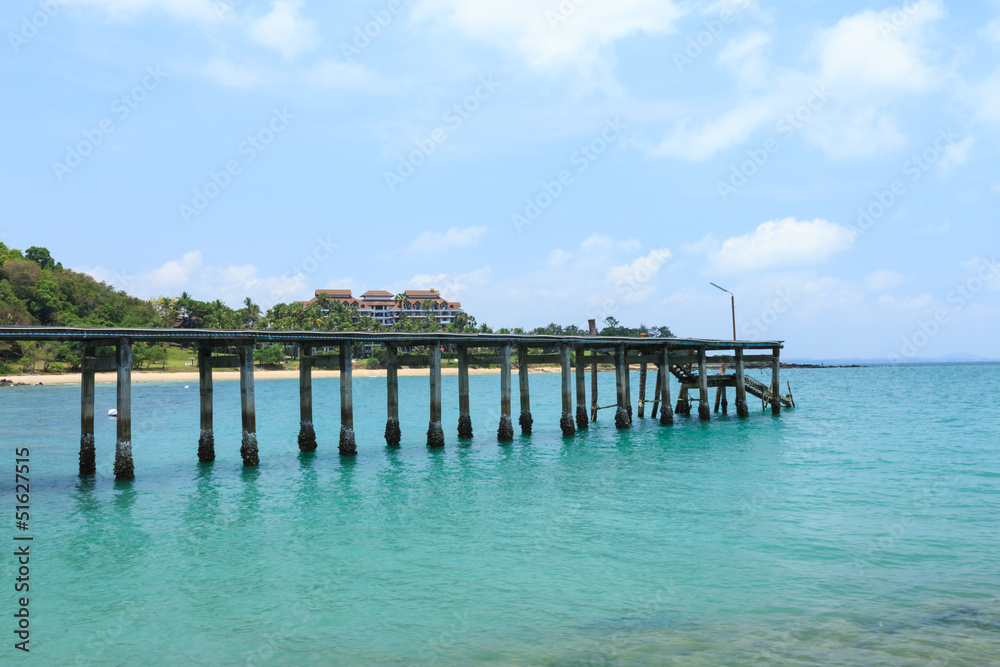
<point x="375" y="292"/>
<point x="336" y="293"/>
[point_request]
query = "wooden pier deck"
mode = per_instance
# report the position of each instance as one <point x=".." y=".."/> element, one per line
<point x="685" y="358"/>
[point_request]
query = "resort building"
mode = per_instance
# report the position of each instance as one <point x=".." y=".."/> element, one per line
<point x="386" y="307"/>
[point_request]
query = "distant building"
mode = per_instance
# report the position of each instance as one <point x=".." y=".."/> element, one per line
<point x="386" y="308"/>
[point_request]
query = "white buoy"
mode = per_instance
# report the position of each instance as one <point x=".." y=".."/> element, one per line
<point x="112" y="412"/>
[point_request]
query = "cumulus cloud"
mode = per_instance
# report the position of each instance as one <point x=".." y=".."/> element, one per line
<point x="781" y="244"/>
<point x="549" y="35"/>
<point x="284" y="30"/>
<point x="453" y="238"/>
<point x="451" y="285"/>
<point x="634" y="281"/>
<point x="879" y="52"/>
<point x="230" y="283"/>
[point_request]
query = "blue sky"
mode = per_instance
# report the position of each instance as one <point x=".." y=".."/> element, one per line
<point x="834" y="164"/>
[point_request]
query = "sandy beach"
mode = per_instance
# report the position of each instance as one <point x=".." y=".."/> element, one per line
<point x="191" y="377"/>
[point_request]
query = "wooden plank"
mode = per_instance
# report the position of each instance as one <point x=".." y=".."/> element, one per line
<point x="524" y="420"/>
<point x="435" y="432"/>
<point x="776" y="383"/>
<point x="347" y="445"/>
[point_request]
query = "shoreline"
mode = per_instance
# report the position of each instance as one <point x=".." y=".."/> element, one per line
<point x="191" y="377"/>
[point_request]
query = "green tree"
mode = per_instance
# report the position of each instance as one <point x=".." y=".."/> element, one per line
<point x="41" y="257"/>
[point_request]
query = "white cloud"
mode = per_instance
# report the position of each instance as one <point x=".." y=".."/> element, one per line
<point x="724" y="132"/>
<point x="956" y="153"/>
<point x="452" y="238"/>
<point x="284" y="30"/>
<point x="879" y="52"/>
<point x="780" y="244"/>
<point x="451" y="285"/>
<point x="558" y="258"/>
<point x="883" y="280"/>
<point x="550" y="35"/>
<point x="189" y="273"/>
<point x="860" y="131"/>
<point x="633" y="281"/>
<point x="745" y="58"/>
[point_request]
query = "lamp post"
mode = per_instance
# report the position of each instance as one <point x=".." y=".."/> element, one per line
<point x="733" y="301"/>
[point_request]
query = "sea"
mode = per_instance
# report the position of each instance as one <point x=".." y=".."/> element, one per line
<point x="861" y="527"/>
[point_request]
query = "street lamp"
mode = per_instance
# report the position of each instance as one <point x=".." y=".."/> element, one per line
<point x="733" y="301"/>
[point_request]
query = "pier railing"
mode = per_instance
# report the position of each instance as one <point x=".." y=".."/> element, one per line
<point x="668" y="356"/>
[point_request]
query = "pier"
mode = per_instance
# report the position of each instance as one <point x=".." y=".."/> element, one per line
<point x="684" y="358"/>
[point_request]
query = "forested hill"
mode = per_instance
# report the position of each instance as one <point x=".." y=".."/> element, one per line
<point x="35" y="289"/>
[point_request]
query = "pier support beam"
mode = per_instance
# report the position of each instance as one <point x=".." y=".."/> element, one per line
<point x="663" y="380"/>
<point x="88" y="463"/>
<point x="124" y="468"/>
<point x="642" y="389"/>
<point x="525" y="421"/>
<point x="704" y="412"/>
<point x="347" y="445"/>
<point x="582" y="420"/>
<point x="393" y="435"/>
<point x="593" y="375"/>
<point x="307" y="433"/>
<point x="684" y="402"/>
<point x="742" y="409"/>
<point x="464" y="414"/>
<point x="775" y="383"/>
<point x="248" y="449"/>
<point x="627" y="370"/>
<point x="621" y="373"/>
<point x="566" y="420"/>
<point x="505" y="432"/>
<point x="435" y="434"/>
<point x="206" y="437"/>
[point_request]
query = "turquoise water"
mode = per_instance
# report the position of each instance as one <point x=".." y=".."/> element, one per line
<point x="860" y="528"/>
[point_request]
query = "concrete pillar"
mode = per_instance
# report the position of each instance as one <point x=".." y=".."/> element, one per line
<point x="525" y="420"/>
<point x="621" y="414"/>
<point x="124" y="468"/>
<point x="392" y="432"/>
<point x="628" y="385"/>
<point x="307" y="432"/>
<point x="348" y="447"/>
<point x="704" y="412"/>
<point x="505" y="432"/>
<point x="248" y="448"/>
<point x="88" y="464"/>
<point x="464" y="412"/>
<point x="742" y="409"/>
<point x="206" y="437"/>
<point x="435" y="434"/>
<point x="775" y="383"/>
<point x="582" y="419"/>
<point x="642" y="389"/>
<point x="593" y="375"/>
<point x="663" y="379"/>
<point x="566" y="366"/>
